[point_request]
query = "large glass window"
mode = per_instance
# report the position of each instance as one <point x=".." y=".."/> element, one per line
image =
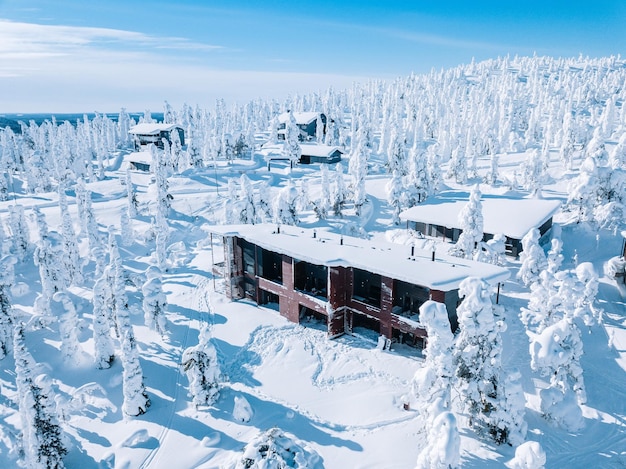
<point x="311" y="278"/>
<point x="366" y="287"/>
<point x="407" y="298"/>
<point x="270" y="265"/>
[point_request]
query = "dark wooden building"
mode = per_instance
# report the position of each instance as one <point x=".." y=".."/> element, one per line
<point x="343" y="281"/>
<point x="154" y="133"/>
<point x="319" y="154"/>
<point x="438" y="217"/>
<point x="306" y="122"/>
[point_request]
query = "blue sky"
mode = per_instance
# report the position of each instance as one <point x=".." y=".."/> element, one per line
<point x="79" y="56"/>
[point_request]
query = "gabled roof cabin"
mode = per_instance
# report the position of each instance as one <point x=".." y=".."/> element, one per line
<point x="306" y="122"/>
<point x="145" y="134"/>
<point x="344" y="281"/>
<point x="438" y="217"/>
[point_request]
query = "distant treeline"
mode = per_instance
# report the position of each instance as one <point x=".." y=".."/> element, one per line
<point x="13" y="120"/>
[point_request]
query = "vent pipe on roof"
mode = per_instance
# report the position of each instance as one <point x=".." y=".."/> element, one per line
<point x="314" y="233"/>
<point x="278" y="229"/>
<point x="433" y="258"/>
<point x="412" y="250"/>
<point x="341" y="240"/>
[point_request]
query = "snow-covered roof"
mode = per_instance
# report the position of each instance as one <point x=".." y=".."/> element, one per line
<point x="318" y="150"/>
<point x="624" y="234"/>
<point x="144" y="157"/>
<point x="302" y="118"/>
<point x="513" y="217"/>
<point x="390" y="260"/>
<point x="152" y="128"/>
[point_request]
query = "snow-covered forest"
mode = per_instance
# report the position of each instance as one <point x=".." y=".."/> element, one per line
<point x="119" y="349"/>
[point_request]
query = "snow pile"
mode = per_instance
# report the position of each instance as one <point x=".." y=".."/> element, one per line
<point x="242" y="410"/>
<point x="529" y="455"/>
<point x="275" y="449"/>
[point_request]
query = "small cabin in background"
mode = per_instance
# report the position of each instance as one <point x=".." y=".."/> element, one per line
<point x="438" y="217"/>
<point x="319" y="154"/>
<point x="139" y="161"/>
<point x="340" y="281"/>
<point x="306" y="122"/>
<point x="145" y="134"/>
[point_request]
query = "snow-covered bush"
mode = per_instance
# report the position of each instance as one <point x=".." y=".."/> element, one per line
<point x="528" y="455"/>
<point x="275" y="449"/>
<point x="242" y="410"/>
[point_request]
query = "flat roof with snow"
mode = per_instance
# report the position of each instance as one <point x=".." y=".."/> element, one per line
<point x="318" y="150"/>
<point x="513" y="217"/>
<point x="144" y="157"/>
<point x="387" y="259"/>
<point x="152" y="128"/>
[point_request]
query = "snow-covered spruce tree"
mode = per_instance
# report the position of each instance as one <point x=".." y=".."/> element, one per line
<point x="136" y="400"/>
<point x="357" y="169"/>
<point x="338" y="191"/>
<point x="284" y="209"/>
<point x="117" y="285"/>
<point x="71" y="260"/>
<point x="48" y="257"/>
<point x="291" y="148"/>
<point x="42" y="224"/>
<point x="102" y="319"/>
<point x="533" y="258"/>
<point x="63" y="308"/>
<point x="264" y="202"/>
<point x="432" y="382"/>
<point x="131" y="195"/>
<point x="457" y="167"/>
<point x="42" y="436"/>
<point x="322" y="204"/>
<point x="417" y="178"/>
<point x="274" y="448"/>
<point x="202" y="369"/>
<point x="477" y="355"/>
<point x="127" y="233"/>
<point x="20" y="233"/>
<point x="533" y="172"/>
<point x="555" y="353"/>
<point x="430" y="391"/>
<point x="154" y="301"/>
<point x="248" y="214"/>
<point x="396" y="154"/>
<point x="395" y="191"/>
<point x="6" y="309"/>
<point x="471" y="222"/>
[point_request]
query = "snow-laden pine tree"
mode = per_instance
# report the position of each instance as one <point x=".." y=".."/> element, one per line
<point x="6" y="308"/>
<point x="104" y="353"/>
<point x="131" y="195"/>
<point x="338" y="191"/>
<point x="264" y="202"/>
<point x="471" y="222"/>
<point x="48" y="257"/>
<point x="42" y="435"/>
<point x="247" y="214"/>
<point x="478" y="356"/>
<point x="284" y="209"/>
<point x="291" y="148"/>
<point x="64" y="309"/>
<point x="357" y="169"/>
<point x="395" y="192"/>
<point x="457" y="167"/>
<point x="71" y="260"/>
<point x="396" y="154"/>
<point x="430" y="391"/>
<point x="20" y="232"/>
<point x="127" y="233"/>
<point x="154" y="301"/>
<point x="202" y="369"/>
<point x="417" y="177"/>
<point x="532" y="172"/>
<point x="136" y="400"/>
<point x="322" y="205"/>
<point x="533" y="258"/>
<point x="117" y="284"/>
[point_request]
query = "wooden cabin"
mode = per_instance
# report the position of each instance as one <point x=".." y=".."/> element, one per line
<point x="306" y="122"/>
<point x="320" y="154"/>
<point x="154" y="133"/>
<point x="342" y="281"/>
<point x="438" y="217"/>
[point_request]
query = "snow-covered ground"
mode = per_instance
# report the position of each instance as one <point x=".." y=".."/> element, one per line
<point x="340" y="403"/>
